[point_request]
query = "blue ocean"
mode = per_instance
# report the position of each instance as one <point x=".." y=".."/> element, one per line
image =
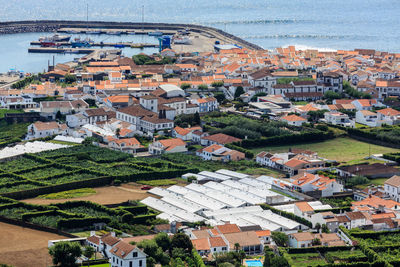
<point x="323" y="24"/>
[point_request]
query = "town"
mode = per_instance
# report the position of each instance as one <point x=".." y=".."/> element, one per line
<point x="230" y="157"/>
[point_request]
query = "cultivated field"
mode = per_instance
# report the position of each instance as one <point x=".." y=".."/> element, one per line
<point x="104" y="195"/>
<point x="23" y="247"/>
<point x="340" y="149"/>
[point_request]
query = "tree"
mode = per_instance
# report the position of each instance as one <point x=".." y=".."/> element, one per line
<point x="239" y="91"/>
<point x="279" y="261"/>
<point x="237" y="247"/>
<point x="88" y="252"/>
<point x="217" y="84"/>
<point x="65" y="253"/>
<point x="331" y="95"/>
<point x="268" y="256"/>
<point x="180" y="240"/>
<point x="185" y="86"/>
<point x="203" y="87"/>
<point x="254" y="97"/>
<point x="58" y="115"/>
<point x="316" y="242"/>
<point x="163" y="241"/>
<point x="281" y="239"/>
<point x="118" y="132"/>
<point x="219" y="96"/>
<point x="325" y="229"/>
<point x="318" y="226"/>
<point x="196" y="119"/>
<point x="69" y="78"/>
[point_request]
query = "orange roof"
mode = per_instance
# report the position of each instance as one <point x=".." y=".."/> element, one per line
<point x="228" y="228"/>
<point x="201" y="244"/>
<point x="304" y="206"/>
<point x="170" y="144"/>
<point x="293" y="118"/>
<point x="374" y="201"/>
<point x="212" y="148"/>
<point x="217" y="241"/>
<point x="383" y="215"/>
<point x="119" y="99"/>
<point x="389" y="112"/>
<point x="263" y="233"/>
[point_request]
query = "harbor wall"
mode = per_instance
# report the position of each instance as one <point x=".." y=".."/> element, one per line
<point x="12" y="27"/>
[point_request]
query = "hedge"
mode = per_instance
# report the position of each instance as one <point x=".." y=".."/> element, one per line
<point x="286" y="139"/>
<point x="72" y="223"/>
<point x="335" y="210"/>
<point x="287" y="215"/>
<point x="135" y="210"/>
<point x="321" y="249"/>
<point x="249" y="154"/>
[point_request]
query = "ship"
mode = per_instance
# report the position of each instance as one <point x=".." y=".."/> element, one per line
<point x="81" y="43"/>
<point x="55" y="38"/>
<point x="155" y="33"/>
<point x="182" y="40"/>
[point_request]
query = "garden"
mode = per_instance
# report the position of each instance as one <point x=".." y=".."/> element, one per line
<point x="78" y="167"/>
<point x="135" y="219"/>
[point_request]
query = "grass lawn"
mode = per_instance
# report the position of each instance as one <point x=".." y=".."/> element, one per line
<point x="63" y="143"/>
<point x="379" y="181"/>
<point x="340" y="149"/>
<point x="70" y="194"/>
<point x="4" y="111"/>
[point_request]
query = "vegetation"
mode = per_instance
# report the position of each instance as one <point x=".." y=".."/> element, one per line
<point x="280" y="238"/>
<point x="74" y="165"/>
<point x="64" y="254"/>
<point x="289" y="80"/>
<point x="239" y="91"/>
<point x="158" y="182"/>
<point x="186" y="120"/>
<point x="11" y="133"/>
<point x="340" y="149"/>
<point x="26" y="81"/>
<point x="147" y="60"/>
<point x="82" y="192"/>
<point x="5" y="111"/>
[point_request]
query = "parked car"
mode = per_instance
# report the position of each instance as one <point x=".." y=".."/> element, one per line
<point x="146" y="187"/>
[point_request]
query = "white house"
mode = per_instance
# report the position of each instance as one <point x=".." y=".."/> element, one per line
<point x="301" y="240"/>
<point x="356" y="218"/>
<point x="44" y="129"/>
<point x="323" y="185"/>
<point x="392" y="188"/>
<point x="294" y="120"/>
<point x="338" y="118"/>
<point x="389" y="116"/>
<point x="173" y="145"/>
<point x="368" y="118"/>
<point x="126" y="255"/>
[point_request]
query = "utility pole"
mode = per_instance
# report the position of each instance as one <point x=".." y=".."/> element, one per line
<point x="142" y="22"/>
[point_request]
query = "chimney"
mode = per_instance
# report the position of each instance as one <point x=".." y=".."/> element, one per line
<point x="130" y="101"/>
<point x="112" y="234"/>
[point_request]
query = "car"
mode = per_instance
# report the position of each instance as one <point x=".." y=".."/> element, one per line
<point x="146" y="187"/>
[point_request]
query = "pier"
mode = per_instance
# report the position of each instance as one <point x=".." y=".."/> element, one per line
<point x="102" y="44"/>
<point x="64" y="50"/>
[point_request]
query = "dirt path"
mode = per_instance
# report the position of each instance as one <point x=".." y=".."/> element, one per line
<point x="104" y="195"/>
<point x="24" y="247"/>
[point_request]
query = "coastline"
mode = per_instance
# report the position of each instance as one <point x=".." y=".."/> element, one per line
<point x="12" y="27"/>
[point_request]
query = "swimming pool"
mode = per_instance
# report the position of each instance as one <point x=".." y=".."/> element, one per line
<point x="252" y="263"/>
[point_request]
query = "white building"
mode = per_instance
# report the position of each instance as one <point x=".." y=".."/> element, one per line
<point x="126" y="255"/>
<point x="338" y="118"/>
<point x="392" y="188"/>
<point x="44" y="129"/>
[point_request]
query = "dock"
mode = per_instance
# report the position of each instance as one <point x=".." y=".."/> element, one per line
<point x="101" y="44"/>
<point x="114" y="31"/>
<point x="63" y="50"/>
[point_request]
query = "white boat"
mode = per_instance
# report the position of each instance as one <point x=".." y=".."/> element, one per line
<point x="131" y="32"/>
<point x="182" y="40"/>
<point x="93" y="32"/>
<point x="114" y="32"/>
<point x="155" y="33"/>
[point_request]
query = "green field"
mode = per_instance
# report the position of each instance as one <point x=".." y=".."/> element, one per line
<point x="83" y="192"/>
<point x="4" y="111"/>
<point x="340" y="149"/>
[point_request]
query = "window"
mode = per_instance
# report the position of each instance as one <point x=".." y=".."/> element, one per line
<point x="140" y="263"/>
<point x="130" y="264"/>
<point x="134" y="254"/>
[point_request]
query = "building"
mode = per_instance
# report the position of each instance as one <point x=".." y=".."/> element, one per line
<point x="126" y="255"/>
<point x="368" y="118"/>
<point x="389" y="116"/>
<point x="317" y="185"/>
<point x="294" y="120"/>
<point x="307" y="239"/>
<point x="375" y="170"/>
<point x="127" y="145"/>
<point x="220" y="153"/>
<point x="143" y="120"/>
<point x="219" y="139"/>
<point x="338" y="118"/>
<point x="186" y="134"/>
<point x="392" y="188"/>
<point x="45" y="129"/>
<point x="206" y="104"/>
<point x="173" y="145"/>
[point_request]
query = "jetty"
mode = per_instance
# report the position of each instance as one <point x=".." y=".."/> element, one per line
<point x="103" y="44"/>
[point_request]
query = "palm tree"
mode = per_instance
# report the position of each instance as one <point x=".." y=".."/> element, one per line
<point x="237" y="247"/>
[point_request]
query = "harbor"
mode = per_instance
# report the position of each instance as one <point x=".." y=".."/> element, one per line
<point x="103" y="44"/>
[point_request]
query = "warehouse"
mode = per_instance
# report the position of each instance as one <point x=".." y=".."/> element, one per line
<point x="234" y="175"/>
<point x="215" y="176"/>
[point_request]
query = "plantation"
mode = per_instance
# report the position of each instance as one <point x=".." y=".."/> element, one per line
<point x="69" y="194"/>
<point x="136" y="219"/>
<point x="11" y="133"/>
<point x="158" y="182"/>
<point x="307" y="259"/>
<point x="80" y="166"/>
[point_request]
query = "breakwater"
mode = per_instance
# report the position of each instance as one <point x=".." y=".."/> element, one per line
<point x="53" y="25"/>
